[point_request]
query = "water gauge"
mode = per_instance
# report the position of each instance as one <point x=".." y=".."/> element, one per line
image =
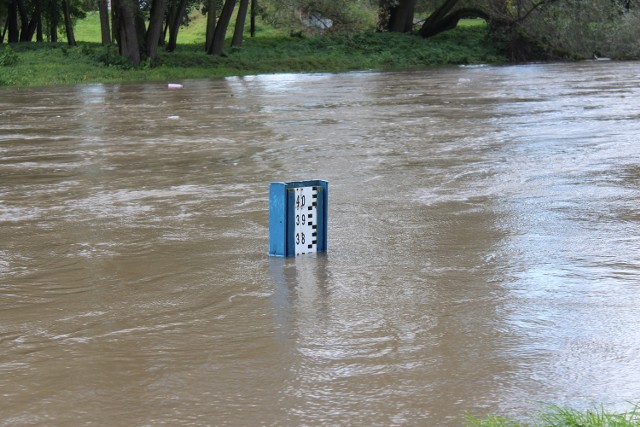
<point x="298" y="217"/>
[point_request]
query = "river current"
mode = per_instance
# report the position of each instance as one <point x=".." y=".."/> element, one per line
<point x="483" y="248"/>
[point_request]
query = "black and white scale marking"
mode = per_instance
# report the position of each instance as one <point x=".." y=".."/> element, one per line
<point x="306" y="220"/>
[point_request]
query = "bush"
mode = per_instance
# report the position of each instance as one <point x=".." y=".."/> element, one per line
<point x="582" y="28"/>
<point x="107" y="56"/>
<point x="8" y="57"/>
<point x="624" y="40"/>
<point x="320" y="16"/>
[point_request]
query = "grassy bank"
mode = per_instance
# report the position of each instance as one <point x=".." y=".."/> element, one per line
<point x="36" y="64"/>
<point x="565" y="417"/>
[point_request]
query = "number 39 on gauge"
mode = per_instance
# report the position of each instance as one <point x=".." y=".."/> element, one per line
<point x="298" y="217"/>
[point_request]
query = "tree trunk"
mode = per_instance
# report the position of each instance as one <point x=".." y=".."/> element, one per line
<point x="127" y="35"/>
<point x="174" y="25"/>
<point x="211" y="23"/>
<point x="68" y="24"/>
<point x="437" y="16"/>
<point x="240" y="20"/>
<point x="24" y="21"/>
<point x="33" y="23"/>
<point x="440" y="22"/>
<point x="104" y="22"/>
<point x="401" y="16"/>
<point x="115" y="24"/>
<point x="156" y="18"/>
<point x="53" y="28"/>
<point x="39" y="35"/>
<point x="221" y="28"/>
<point x="254" y="5"/>
<point x="141" y="30"/>
<point x="27" y="36"/>
<point x="12" y="23"/>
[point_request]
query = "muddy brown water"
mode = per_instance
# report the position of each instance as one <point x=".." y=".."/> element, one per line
<point x="484" y="248"/>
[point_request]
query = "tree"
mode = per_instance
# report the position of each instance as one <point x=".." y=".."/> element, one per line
<point x="156" y="18"/>
<point x="4" y="9"/>
<point x="240" y="20"/>
<point x="18" y="24"/>
<point x="402" y="16"/>
<point x="12" y="23"/>
<point x="105" y="32"/>
<point x="32" y="24"/>
<point x="68" y="24"/>
<point x="25" y="19"/>
<point x="217" y="43"/>
<point x="53" y="16"/>
<point x="508" y="22"/>
<point x="583" y="29"/>
<point x="125" y="27"/>
<point x="396" y="15"/>
<point x="252" y="24"/>
<point x="320" y="16"/>
<point x="445" y="18"/>
<point x="212" y="11"/>
<point x="174" y="20"/>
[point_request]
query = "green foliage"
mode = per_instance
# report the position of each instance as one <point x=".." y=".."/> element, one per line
<point x="8" y="57"/>
<point x="557" y="416"/>
<point x="90" y="5"/>
<point x="319" y="16"/>
<point x="580" y="28"/>
<point x="269" y="52"/>
<point x="567" y="417"/>
<point x="107" y="56"/>
<point x="88" y="28"/>
<point x="4" y="7"/>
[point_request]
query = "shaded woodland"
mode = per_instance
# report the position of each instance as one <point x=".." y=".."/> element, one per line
<point x="524" y="29"/>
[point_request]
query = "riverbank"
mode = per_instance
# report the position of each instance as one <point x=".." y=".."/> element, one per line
<point x="557" y="416"/>
<point x="39" y="64"/>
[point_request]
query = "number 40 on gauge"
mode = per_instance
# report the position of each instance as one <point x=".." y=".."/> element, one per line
<point x="298" y="217"/>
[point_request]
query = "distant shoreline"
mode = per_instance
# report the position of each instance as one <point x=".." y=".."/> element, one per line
<point x="45" y="64"/>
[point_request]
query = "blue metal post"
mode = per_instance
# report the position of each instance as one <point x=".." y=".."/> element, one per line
<point x="277" y="219"/>
<point x="302" y="204"/>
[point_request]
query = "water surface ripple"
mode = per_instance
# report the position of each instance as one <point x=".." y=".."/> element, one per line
<point x="484" y="248"/>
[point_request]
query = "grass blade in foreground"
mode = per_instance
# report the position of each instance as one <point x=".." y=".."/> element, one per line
<point x="557" y="416"/>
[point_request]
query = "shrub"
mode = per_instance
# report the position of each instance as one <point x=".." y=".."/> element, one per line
<point x="8" y="57"/>
<point x="582" y="28"/>
<point x="107" y="56"/>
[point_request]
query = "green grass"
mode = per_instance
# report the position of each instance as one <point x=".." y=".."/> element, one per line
<point x="271" y="51"/>
<point x="87" y="29"/>
<point x="557" y="416"/>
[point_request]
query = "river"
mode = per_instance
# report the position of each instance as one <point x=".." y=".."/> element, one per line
<point x="483" y="248"/>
